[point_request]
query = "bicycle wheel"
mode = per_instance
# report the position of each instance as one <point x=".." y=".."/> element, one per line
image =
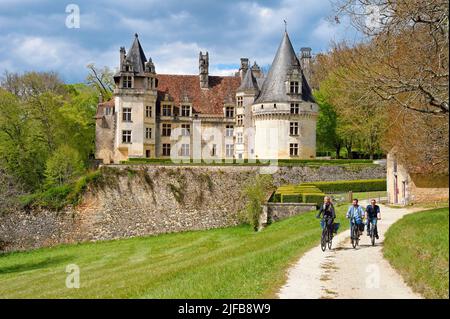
<point x="352" y="237"/>
<point x="323" y="239"/>
<point x="355" y="236"/>
<point x="372" y="234"/>
<point x="330" y="239"/>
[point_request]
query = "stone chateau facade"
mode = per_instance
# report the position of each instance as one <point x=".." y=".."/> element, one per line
<point x="246" y="116"/>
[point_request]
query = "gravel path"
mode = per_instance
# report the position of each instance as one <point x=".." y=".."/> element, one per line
<point x="344" y="272"/>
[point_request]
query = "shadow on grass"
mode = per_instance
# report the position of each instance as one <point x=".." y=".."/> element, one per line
<point x="34" y="265"/>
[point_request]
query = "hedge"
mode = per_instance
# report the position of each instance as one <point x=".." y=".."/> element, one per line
<point x="291" y="198"/>
<point x="294" y="194"/>
<point x="313" y="198"/>
<point x="369" y="185"/>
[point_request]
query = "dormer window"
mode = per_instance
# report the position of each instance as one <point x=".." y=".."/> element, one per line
<point x="127" y="82"/>
<point x="229" y="112"/>
<point x="185" y="110"/>
<point x="167" y="110"/>
<point x="294" y="86"/>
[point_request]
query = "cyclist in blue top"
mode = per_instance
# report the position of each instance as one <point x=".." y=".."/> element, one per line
<point x="355" y="211"/>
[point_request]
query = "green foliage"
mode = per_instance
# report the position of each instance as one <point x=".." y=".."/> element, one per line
<point x="316" y="198"/>
<point x="101" y="80"/>
<point x="327" y="136"/>
<point x="256" y="192"/>
<point x="368" y="185"/>
<point x="291" y="198"/>
<point x="314" y="192"/>
<point x="418" y="247"/>
<point x="21" y="154"/>
<point x="57" y="197"/>
<point x="54" y="198"/>
<point x="296" y="194"/>
<point x="63" y="166"/>
<point x="38" y="115"/>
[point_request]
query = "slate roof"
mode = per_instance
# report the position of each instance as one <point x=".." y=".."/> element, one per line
<point x="274" y="88"/>
<point x="136" y="56"/>
<point x="249" y="82"/>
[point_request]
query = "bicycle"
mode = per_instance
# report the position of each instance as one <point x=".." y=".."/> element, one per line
<point x="354" y="233"/>
<point x="372" y="232"/>
<point x="327" y="235"/>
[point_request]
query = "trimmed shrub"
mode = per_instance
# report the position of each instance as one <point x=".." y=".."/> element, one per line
<point x="316" y="198"/>
<point x="369" y="185"/>
<point x="291" y="198"/>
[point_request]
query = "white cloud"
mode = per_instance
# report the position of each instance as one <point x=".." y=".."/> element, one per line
<point x="176" y="58"/>
<point x="155" y="25"/>
<point x="51" y="54"/>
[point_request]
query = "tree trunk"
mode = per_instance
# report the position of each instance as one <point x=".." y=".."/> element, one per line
<point x="338" y="151"/>
<point x="349" y="151"/>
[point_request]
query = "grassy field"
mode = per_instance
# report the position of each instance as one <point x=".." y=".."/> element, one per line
<point x="417" y="246"/>
<point x="231" y="262"/>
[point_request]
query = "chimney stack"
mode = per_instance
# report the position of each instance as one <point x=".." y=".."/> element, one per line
<point x="305" y="62"/>
<point x="122" y="57"/>
<point x="203" y="62"/>
<point x="243" y="68"/>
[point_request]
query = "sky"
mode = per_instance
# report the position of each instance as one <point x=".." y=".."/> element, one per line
<point x="44" y="35"/>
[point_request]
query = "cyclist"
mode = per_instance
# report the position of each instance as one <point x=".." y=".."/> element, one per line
<point x="355" y="211"/>
<point x="328" y="212"/>
<point x="372" y="215"/>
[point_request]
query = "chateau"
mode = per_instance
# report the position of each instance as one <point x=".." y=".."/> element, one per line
<point x="246" y="116"/>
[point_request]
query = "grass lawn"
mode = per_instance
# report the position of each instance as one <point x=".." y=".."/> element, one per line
<point x="233" y="262"/>
<point x="417" y="246"/>
<point x="370" y="195"/>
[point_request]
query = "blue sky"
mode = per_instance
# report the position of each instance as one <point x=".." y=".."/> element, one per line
<point x="34" y="35"/>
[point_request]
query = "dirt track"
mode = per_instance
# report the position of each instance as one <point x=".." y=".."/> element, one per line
<point x="344" y="272"/>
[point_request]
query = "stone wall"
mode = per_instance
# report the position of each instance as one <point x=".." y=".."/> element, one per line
<point x="278" y="211"/>
<point x="143" y="200"/>
<point x="405" y="188"/>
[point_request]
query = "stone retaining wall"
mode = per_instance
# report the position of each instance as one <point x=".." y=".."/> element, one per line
<point x="142" y="200"/>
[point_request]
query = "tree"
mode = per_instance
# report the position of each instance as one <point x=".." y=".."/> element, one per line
<point x="63" y="166"/>
<point x="102" y="80"/>
<point x="38" y="115"/>
<point x="327" y="136"/>
<point x="403" y="63"/>
<point x="357" y="118"/>
<point x="256" y="193"/>
<point x="78" y="113"/>
<point x="406" y="59"/>
<point x="21" y="155"/>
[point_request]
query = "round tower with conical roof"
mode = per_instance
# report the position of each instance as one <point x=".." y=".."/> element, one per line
<point x="284" y="112"/>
